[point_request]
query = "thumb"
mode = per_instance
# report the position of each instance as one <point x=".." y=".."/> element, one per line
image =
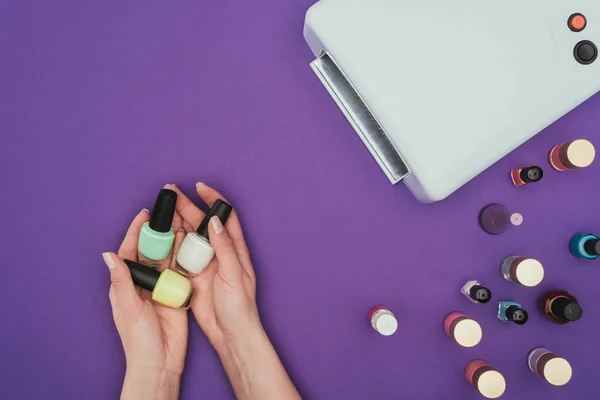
<point x="229" y="263"/>
<point x="122" y="290"/>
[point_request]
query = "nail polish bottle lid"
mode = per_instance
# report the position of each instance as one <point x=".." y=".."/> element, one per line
<point x="221" y="209"/>
<point x="517" y="315"/>
<point x="480" y="294"/>
<point x="491" y="384"/>
<point x="581" y="153"/>
<point x="566" y="309"/>
<point x="531" y="174"/>
<point x="467" y="332"/>
<point x="557" y="371"/>
<point x="163" y="211"/>
<point x="592" y="246"/>
<point x="142" y="276"/>
<point x="386" y="324"/>
<point x="529" y="272"/>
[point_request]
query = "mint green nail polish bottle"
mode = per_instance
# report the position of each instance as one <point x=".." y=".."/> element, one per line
<point x="156" y="237"/>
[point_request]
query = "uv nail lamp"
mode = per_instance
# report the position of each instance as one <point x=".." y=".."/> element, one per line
<point x="440" y="90"/>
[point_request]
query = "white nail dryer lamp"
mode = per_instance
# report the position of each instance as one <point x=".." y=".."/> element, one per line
<point x="439" y="90"/>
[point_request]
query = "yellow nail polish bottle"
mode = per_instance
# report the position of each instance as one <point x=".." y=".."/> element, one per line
<point x="168" y="287"/>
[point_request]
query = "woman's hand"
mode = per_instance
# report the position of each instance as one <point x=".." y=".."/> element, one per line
<point x="225" y="306"/>
<point x="154" y="336"/>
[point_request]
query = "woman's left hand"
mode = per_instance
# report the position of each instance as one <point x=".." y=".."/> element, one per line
<point x="154" y="336"/>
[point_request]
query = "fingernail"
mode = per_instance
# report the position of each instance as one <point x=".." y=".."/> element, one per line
<point x="168" y="186"/>
<point x="110" y="262"/>
<point x="145" y="210"/>
<point x="198" y="184"/>
<point x="216" y="225"/>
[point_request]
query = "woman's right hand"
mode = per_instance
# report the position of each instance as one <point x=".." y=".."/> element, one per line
<point x="225" y="306"/>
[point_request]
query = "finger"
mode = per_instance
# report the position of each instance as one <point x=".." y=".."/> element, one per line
<point x="188" y="210"/>
<point x="177" y="222"/>
<point x="129" y="247"/>
<point x="234" y="228"/>
<point x="230" y="267"/>
<point x="179" y="236"/>
<point x="123" y="294"/>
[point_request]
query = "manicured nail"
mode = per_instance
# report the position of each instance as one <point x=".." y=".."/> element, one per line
<point x="168" y="186"/>
<point x="198" y="184"/>
<point x="216" y="225"/>
<point x="145" y="210"/>
<point x="110" y="262"/>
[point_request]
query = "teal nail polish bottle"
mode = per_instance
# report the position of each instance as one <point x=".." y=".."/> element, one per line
<point x="511" y="312"/>
<point x="156" y="237"/>
<point x="585" y="245"/>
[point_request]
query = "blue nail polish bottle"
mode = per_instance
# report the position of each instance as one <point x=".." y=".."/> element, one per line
<point x="511" y="312"/>
<point x="585" y="246"/>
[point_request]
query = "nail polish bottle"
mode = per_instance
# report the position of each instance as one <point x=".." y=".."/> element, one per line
<point x="168" y="287"/>
<point x="196" y="252"/>
<point x="550" y="366"/>
<point x="522" y="270"/>
<point x="561" y="307"/>
<point x="525" y="175"/>
<point x="156" y="236"/>
<point x="463" y="329"/>
<point x="585" y="246"/>
<point x="476" y="292"/>
<point x="579" y="153"/>
<point x="488" y="382"/>
<point x="383" y="320"/>
<point x="495" y="219"/>
<point x="509" y="311"/>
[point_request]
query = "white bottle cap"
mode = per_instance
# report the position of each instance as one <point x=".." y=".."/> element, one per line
<point x="516" y="219"/>
<point x="491" y="384"/>
<point x="386" y="324"/>
<point x="468" y="333"/>
<point x="530" y="272"/>
<point x="558" y="371"/>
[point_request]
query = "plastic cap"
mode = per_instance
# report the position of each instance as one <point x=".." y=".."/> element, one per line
<point x="566" y="309"/>
<point x="386" y="324"/>
<point x="558" y="371"/>
<point x="468" y="333"/>
<point x="592" y="246"/>
<point x="517" y="315"/>
<point x="491" y="384"/>
<point x="219" y="209"/>
<point x="530" y="272"/>
<point x="480" y="294"/>
<point x="532" y="174"/>
<point x="163" y="211"/>
<point x="142" y="276"/>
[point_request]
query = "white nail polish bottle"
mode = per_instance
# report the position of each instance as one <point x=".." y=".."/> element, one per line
<point x="196" y="252"/>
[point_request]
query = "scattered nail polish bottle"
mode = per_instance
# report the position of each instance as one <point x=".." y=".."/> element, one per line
<point x="463" y="329"/>
<point x="156" y="236"/>
<point x="495" y="219"/>
<point x="550" y="366"/>
<point x="488" y="382"/>
<point x="196" y="252"/>
<point x="168" y="287"/>
<point x="383" y="320"/>
<point x="585" y="246"/>
<point x="579" y="153"/>
<point x="524" y="271"/>
<point x="476" y="292"/>
<point x="561" y="307"/>
<point x="509" y="311"/>
<point x="525" y="175"/>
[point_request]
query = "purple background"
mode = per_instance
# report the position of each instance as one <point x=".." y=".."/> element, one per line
<point x="102" y="103"/>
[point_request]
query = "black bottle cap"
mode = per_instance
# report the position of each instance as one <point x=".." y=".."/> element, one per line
<point x="566" y="309"/>
<point x="221" y="210"/>
<point x="142" y="276"/>
<point x="592" y="246"/>
<point x="517" y="315"/>
<point x="162" y="213"/>
<point x="531" y="174"/>
<point x="480" y="293"/>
